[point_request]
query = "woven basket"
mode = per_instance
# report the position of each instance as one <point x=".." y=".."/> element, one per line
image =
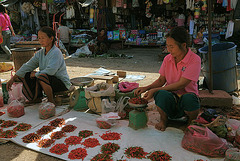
<point x="21" y="56"/>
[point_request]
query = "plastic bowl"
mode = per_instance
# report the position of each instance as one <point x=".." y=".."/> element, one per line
<point x="137" y="105"/>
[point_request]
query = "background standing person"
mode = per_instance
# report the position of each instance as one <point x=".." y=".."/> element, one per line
<point x="180" y="18"/>
<point x="64" y="33"/>
<point x="176" y="90"/>
<point x="5" y="33"/>
<point x="52" y="75"/>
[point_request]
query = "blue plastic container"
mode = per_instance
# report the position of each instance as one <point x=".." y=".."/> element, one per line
<point x="223" y="66"/>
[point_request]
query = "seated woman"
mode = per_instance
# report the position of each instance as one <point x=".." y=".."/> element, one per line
<point x="199" y="37"/>
<point x="176" y="90"/>
<point x="52" y="75"/>
<point x="101" y="46"/>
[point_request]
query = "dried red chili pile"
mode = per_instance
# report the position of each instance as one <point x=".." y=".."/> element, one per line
<point x="30" y="138"/>
<point x="79" y="153"/>
<point x="135" y="152"/>
<point x="138" y="100"/>
<point x="85" y="133"/>
<point x="45" y="130"/>
<point x="109" y="148"/>
<point x="69" y="128"/>
<point x="73" y="140"/>
<point x="1" y="121"/>
<point x="91" y="142"/>
<point x="104" y="157"/>
<point x="57" y="135"/>
<point x="111" y="136"/>
<point x="22" y="127"/>
<point x="45" y="143"/>
<point x="8" y="134"/>
<point x="2" y="113"/>
<point x="59" y="149"/>
<point x="8" y="123"/>
<point x="58" y="122"/>
<point x="103" y="124"/>
<point x="1" y="130"/>
<point x="159" y="156"/>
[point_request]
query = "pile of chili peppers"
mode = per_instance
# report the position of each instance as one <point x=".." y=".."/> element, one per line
<point x="79" y="153"/>
<point x="57" y="135"/>
<point x="59" y="149"/>
<point x="2" y="113"/>
<point x="159" y="156"/>
<point x="69" y="128"/>
<point x="1" y="121"/>
<point x="104" y="157"/>
<point x="22" y="127"/>
<point x="85" y="133"/>
<point x="91" y="143"/>
<point x="45" y="143"/>
<point x="45" y="130"/>
<point x="58" y="122"/>
<point x="8" y="134"/>
<point x="30" y="138"/>
<point x="103" y="124"/>
<point x="73" y="140"/>
<point x="8" y="123"/>
<point x="135" y="152"/>
<point x="109" y="148"/>
<point x="138" y="100"/>
<point x="111" y="136"/>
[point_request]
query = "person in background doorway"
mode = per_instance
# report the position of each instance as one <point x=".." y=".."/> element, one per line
<point x="180" y="18"/>
<point x="101" y="46"/>
<point x="64" y="34"/>
<point x="189" y="17"/>
<point x="52" y="75"/>
<point x="176" y="90"/>
<point x="6" y="30"/>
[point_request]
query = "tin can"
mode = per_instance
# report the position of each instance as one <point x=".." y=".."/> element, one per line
<point x="5" y="93"/>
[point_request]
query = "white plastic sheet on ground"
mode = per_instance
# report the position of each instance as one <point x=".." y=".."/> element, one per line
<point x="149" y="139"/>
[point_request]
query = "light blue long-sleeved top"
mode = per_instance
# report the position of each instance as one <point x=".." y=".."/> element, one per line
<point x="52" y="64"/>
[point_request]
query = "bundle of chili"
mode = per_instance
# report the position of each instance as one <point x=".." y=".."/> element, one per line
<point x="30" y="138"/>
<point x="109" y="148"/>
<point x="69" y="128"/>
<point x="22" y="127"/>
<point x="91" y="143"/>
<point x="45" y="143"/>
<point x="8" y="134"/>
<point x="45" y="130"/>
<point x="57" y="135"/>
<point x="79" y="153"/>
<point x="59" y="149"/>
<point x="85" y="133"/>
<point x="104" y="157"/>
<point x="2" y="113"/>
<point x="159" y="156"/>
<point x="111" y="136"/>
<point x="135" y="152"/>
<point x="58" y="122"/>
<point x="8" y="123"/>
<point x="138" y="100"/>
<point x="73" y="140"/>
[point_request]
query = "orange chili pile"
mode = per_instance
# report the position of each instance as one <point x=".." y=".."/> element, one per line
<point x="8" y="123"/>
<point x="30" y="138"/>
<point x="73" y="140"/>
<point x="57" y="135"/>
<point x="104" y="157"/>
<point x="59" y="149"/>
<point x="85" y="133"/>
<point x="69" y="128"/>
<point x="109" y="148"/>
<point x="58" y="122"/>
<point x="8" y="134"/>
<point x="91" y="143"/>
<point x="45" y="130"/>
<point x="45" y="143"/>
<point x="111" y="136"/>
<point x="138" y="100"/>
<point x="2" y="113"/>
<point x="135" y="152"/>
<point x="22" y="127"/>
<point x="79" y="153"/>
<point x="160" y="156"/>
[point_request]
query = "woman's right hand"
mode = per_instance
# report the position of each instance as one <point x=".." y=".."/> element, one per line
<point x="9" y="84"/>
<point x="140" y="90"/>
<point x="32" y="75"/>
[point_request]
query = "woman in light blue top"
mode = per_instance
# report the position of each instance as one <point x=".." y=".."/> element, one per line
<point x="52" y="75"/>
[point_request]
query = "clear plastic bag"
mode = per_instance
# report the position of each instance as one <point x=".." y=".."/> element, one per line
<point x="46" y="110"/>
<point x="15" y="109"/>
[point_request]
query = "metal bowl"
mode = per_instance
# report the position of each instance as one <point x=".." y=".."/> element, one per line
<point x="137" y="105"/>
<point x="82" y="81"/>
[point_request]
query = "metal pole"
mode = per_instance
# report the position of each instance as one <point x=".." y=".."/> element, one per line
<point x="210" y="82"/>
<point x="47" y="12"/>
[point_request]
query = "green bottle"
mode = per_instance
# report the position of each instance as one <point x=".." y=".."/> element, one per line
<point x="5" y="93"/>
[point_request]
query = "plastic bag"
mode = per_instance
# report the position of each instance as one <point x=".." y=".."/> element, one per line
<point x="15" y="109"/>
<point x="203" y="141"/>
<point x="232" y="126"/>
<point x="46" y="110"/>
<point x="127" y="86"/>
<point x="106" y="121"/>
<point x="16" y="93"/>
<point x="108" y="106"/>
<point x="103" y="123"/>
<point x="232" y="154"/>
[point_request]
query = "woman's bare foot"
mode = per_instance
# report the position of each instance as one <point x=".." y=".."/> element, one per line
<point x="162" y="125"/>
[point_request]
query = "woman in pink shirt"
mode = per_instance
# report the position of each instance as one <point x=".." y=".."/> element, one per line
<point x="5" y="33"/>
<point x="176" y="90"/>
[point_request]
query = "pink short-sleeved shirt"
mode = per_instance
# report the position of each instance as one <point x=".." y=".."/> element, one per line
<point x="188" y="68"/>
<point x="4" y="22"/>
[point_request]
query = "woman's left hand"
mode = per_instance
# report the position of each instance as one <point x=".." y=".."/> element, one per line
<point x="149" y="94"/>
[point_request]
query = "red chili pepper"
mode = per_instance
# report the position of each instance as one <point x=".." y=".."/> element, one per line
<point x="58" y="122"/>
<point x="57" y="135"/>
<point x="73" y="140"/>
<point x="111" y="136"/>
<point x="79" y="153"/>
<point x="45" y="143"/>
<point x="45" y="130"/>
<point x="30" y="138"/>
<point x="102" y="157"/>
<point x="22" y="127"/>
<point x="8" y="134"/>
<point x="59" y="149"/>
<point x="91" y="143"/>
<point x="85" y="133"/>
<point x="135" y="152"/>
<point x="109" y="148"/>
<point x="69" y="128"/>
<point x="160" y="156"/>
